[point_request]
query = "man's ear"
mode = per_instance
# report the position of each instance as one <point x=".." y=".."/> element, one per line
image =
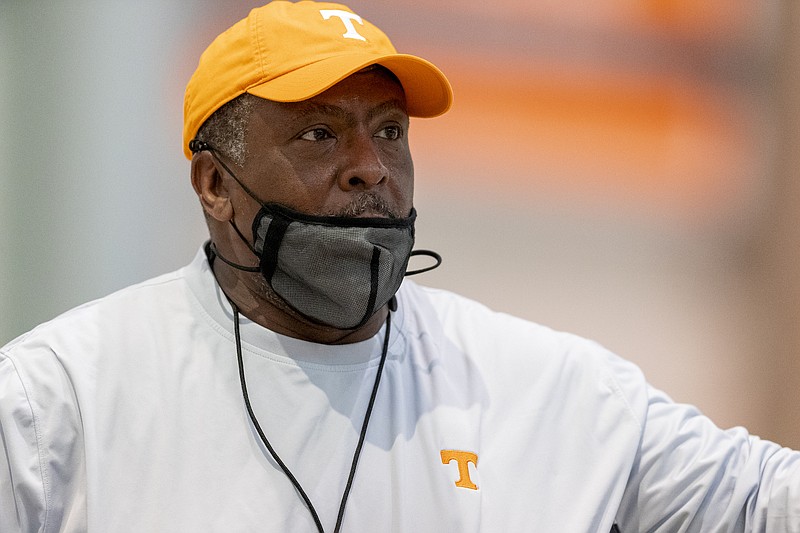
<point x="210" y="187"/>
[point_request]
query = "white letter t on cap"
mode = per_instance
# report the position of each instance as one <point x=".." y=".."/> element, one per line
<point x="347" y="18"/>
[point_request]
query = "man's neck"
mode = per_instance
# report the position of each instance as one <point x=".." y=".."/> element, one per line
<point x="254" y="301"/>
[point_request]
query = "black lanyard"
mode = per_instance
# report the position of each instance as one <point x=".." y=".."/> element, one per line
<point x="274" y="454"/>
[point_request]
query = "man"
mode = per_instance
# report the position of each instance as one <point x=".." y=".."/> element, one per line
<point x="282" y="381"/>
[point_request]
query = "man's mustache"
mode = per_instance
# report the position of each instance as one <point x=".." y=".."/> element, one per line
<point x="367" y="202"/>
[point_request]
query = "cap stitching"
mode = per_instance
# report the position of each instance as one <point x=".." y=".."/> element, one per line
<point x="258" y="51"/>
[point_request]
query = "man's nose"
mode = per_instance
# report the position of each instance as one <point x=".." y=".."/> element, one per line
<point x="363" y="167"/>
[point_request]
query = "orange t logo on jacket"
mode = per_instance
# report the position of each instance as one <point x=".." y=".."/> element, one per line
<point x="462" y="459"/>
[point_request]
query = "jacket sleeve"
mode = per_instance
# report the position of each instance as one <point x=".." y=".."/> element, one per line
<point x="691" y="476"/>
<point x="42" y="473"/>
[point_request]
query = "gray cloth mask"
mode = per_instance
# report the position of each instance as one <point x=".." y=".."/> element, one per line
<point x="336" y="271"/>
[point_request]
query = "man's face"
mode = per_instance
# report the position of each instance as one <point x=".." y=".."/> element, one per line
<point x="344" y="152"/>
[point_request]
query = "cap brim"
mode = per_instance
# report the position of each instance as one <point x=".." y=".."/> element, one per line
<point x="428" y="93"/>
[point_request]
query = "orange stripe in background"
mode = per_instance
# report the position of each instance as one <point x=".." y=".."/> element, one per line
<point x="659" y="141"/>
<point x="665" y="129"/>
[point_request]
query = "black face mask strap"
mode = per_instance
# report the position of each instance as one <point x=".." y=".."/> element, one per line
<point x="196" y="145"/>
<point x="244" y="239"/>
<point x="216" y="255"/>
<point x="430" y="253"/>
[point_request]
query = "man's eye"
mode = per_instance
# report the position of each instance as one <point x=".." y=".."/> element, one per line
<point x="317" y="134"/>
<point x="391" y="133"/>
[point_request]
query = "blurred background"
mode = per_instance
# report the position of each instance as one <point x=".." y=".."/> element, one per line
<point x="627" y="173"/>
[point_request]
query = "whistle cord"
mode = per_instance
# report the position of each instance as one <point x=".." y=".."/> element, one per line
<point x="273" y="453"/>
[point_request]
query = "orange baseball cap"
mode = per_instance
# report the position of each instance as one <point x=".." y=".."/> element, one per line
<point x="288" y="52"/>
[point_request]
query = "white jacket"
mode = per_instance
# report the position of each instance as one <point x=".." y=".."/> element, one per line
<point x="126" y="414"/>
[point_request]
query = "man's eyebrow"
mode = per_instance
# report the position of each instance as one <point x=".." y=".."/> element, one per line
<point x="306" y="109"/>
<point x="386" y="108"/>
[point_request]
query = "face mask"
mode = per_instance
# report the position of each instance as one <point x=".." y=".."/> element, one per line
<point x="336" y="271"/>
<point x="333" y="270"/>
